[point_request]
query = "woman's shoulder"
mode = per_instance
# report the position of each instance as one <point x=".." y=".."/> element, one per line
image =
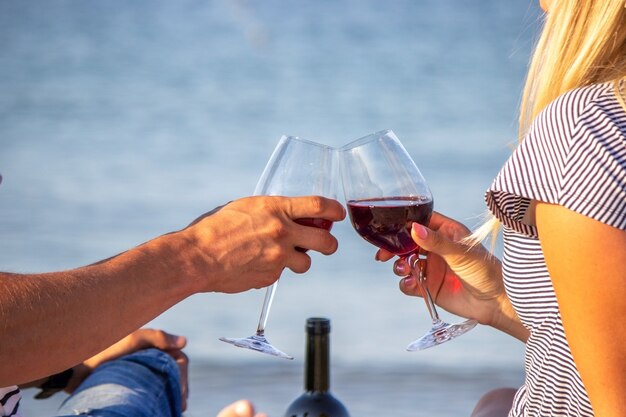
<point x="572" y="107"/>
<point x="588" y="94"/>
<point x="587" y="114"/>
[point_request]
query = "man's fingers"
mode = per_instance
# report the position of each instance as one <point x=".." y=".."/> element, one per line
<point x="299" y="262"/>
<point x="145" y="338"/>
<point x="313" y="238"/>
<point x="316" y="207"/>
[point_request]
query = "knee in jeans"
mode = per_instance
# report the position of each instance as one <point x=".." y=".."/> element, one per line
<point x="154" y="358"/>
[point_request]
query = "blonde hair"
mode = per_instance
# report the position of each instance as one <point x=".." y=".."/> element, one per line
<point x="583" y="42"/>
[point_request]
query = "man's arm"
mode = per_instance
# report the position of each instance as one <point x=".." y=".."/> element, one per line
<point x="53" y="321"/>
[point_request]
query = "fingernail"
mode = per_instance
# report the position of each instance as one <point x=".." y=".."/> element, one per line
<point x="179" y="340"/>
<point x="420" y="231"/>
<point x="408" y="282"/>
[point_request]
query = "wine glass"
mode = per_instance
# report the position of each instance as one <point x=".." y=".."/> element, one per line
<point x="385" y="193"/>
<point x="297" y="167"/>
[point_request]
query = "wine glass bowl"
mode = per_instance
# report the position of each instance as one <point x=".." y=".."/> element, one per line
<point x="385" y="194"/>
<point x="386" y="221"/>
<point x="297" y="167"/>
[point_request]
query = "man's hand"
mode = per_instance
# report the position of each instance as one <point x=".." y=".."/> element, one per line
<point x="138" y="340"/>
<point x="249" y="242"/>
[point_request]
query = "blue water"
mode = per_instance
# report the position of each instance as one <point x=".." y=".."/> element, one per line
<point x="120" y="121"/>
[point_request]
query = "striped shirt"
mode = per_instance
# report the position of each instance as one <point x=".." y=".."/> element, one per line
<point x="574" y="155"/>
<point x="10" y="401"/>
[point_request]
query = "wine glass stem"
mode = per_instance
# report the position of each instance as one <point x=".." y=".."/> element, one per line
<point x="265" y="310"/>
<point x="418" y="269"/>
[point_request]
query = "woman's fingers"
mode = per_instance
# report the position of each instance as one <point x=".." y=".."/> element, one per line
<point x="401" y="268"/>
<point x="426" y="238"/>
<point x="408" y="285"/>
<point x="442" y="236"/>
<point x="383" y="255"/>
<point x="434" y="241"/>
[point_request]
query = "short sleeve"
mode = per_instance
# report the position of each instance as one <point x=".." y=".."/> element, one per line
<point x="574" y="155"/>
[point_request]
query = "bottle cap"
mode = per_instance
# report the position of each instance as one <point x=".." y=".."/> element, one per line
<point x="317" y="325"/>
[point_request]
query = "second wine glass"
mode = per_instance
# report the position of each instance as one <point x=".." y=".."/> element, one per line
<point x="385" y="194"/>
<point x="297" y="167"/>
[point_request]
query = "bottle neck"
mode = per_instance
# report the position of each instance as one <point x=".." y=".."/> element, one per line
<point x="316" y="377"/>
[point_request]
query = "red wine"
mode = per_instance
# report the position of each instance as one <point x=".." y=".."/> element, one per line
<point x="317" y="401"/>
<point x="386" y="222"/>
<point x="314" y="222"/>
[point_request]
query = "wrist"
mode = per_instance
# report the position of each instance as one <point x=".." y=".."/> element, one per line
<point x="503" y="316"/>
<point x="173" y="255"/>
<point x="188" y="259"/>
<point x="506" y="320"/>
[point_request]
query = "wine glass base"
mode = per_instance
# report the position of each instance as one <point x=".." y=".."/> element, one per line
<point x="258" y="343"/>
<point x="440" y="333"/>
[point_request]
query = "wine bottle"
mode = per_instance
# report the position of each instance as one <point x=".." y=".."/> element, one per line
<point x="317" y="401"/>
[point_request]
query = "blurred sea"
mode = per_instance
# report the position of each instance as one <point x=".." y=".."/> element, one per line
<point x="120" y="121"/>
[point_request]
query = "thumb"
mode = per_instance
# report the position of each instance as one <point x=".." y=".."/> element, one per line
<point x="432" y="241"/>
<point x="176" y="342"/>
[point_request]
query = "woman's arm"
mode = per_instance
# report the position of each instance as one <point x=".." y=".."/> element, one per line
<point x="586" y="260"/>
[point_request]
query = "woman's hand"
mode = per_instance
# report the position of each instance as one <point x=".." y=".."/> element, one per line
<point x="138" y="340"/>
<point x="248" y="242"/>
<point x="464" y="279"/>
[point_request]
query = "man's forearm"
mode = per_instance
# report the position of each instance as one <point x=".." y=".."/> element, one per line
<point x="72" y="315"/>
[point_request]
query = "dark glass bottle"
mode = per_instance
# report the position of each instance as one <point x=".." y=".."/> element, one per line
<point x="317" y="401"/>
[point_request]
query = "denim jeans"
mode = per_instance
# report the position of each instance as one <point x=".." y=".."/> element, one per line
<point x="143" y="384"/>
